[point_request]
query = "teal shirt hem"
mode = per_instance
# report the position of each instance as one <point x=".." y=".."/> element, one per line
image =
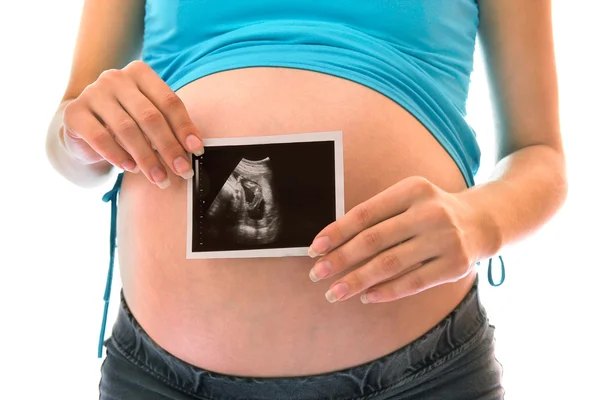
<point x="402" y="100"/>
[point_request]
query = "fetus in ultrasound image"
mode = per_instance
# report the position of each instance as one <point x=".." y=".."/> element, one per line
<point x="245" y="210"/>
<point x="260" y="199"/>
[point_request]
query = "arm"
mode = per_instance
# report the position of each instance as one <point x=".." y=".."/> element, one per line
<point x="418" y="236"/>
<point x="529" y="183"/>
<point x="110" y="35"/>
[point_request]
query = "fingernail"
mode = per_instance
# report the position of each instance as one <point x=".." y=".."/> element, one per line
<point x="337" y="292"/>
<point x="130" y="166"/>
<point x="320" y="271"/>
<point x="319" y="247"/>
<point x="183" y="167"/>
<point x="195" y="145"/>
<point x="370" y="297"/>
<point x="160" y="177"/>
<point x="163" y="184"/>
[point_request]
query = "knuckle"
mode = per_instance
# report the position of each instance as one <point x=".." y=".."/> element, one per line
<point x="421" y="186"/>
<point x="371" y="238"/>
<point x="146" y="159"/>
<point x="71" y="110"/>
<point x="136" y="66"/>
<point x="170" y="100"/>
<point x="463" y="262"/>
<point x="110" y="75"/>
<point x="96" y="136"/>
<point x="414" y="282"/>
<point x="356" y="280"/>
<point x="390" y="263"/>
<point x="443" y="211"/>
<point x="150" y="116"/>
<point x="363" y="215"/>
<point x="341" y="257"/>
<point x="171" y="149"/>
<point x="187" y="127"/>
<point x="337" y="231"/>
<point x="88" y="92"/>
<point x="126" y="126"/>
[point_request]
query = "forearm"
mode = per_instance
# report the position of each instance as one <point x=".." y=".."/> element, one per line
<point x="84" y="175"/>
<point x="526" y="189"/>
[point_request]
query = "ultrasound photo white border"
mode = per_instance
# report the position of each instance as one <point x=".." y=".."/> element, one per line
<point x="335" y="136"/>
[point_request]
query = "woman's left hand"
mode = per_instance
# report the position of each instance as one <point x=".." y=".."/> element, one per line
<point x="410" y="237"/>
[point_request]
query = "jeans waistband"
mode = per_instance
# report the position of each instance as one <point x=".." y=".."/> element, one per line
<point x="453" y="335"/>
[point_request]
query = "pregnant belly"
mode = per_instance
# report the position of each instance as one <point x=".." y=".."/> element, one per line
<point x="265" y="317"/>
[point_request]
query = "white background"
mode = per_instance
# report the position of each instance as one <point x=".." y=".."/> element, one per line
<point x="54" y="246"/>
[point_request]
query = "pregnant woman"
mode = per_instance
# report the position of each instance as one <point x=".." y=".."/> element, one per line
<point x="386" y="305"/>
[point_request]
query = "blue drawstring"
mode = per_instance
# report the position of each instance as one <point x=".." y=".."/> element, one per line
<point x="502" y="272"/>
<point x="111" y="197"/>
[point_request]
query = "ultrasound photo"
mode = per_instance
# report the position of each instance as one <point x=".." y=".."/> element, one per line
<point x="264" y="196"/>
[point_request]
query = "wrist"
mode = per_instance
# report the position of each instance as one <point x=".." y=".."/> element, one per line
<point x="486" y="229"/>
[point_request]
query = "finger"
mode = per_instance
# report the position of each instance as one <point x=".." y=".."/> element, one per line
<point x="366" y="244"/>
<point x="78" y="147"/>
<point x="386" y="265"/>
<point x="169" y="104"/>
<point x="431" y="274"/>
<point x="161" y="160"/>
<point x="129" y="135"/>
<point x="392" y="201"/>
<point x="155" y="128"/>
<point x="79" y="120"/>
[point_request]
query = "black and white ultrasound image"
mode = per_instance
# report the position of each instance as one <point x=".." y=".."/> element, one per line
<point x="262" y="196"/>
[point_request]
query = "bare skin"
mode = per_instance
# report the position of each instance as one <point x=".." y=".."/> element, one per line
<point x="265" y="317"/>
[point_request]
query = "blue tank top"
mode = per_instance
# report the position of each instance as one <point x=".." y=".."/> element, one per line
<point x="418" y="53"/>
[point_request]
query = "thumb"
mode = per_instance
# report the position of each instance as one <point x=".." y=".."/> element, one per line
<point x="77" y="147"/>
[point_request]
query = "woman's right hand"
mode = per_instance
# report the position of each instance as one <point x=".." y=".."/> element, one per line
<point x="124" y="116"/>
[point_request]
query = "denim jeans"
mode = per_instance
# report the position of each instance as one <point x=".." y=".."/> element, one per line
<point x="453" y="361"/>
